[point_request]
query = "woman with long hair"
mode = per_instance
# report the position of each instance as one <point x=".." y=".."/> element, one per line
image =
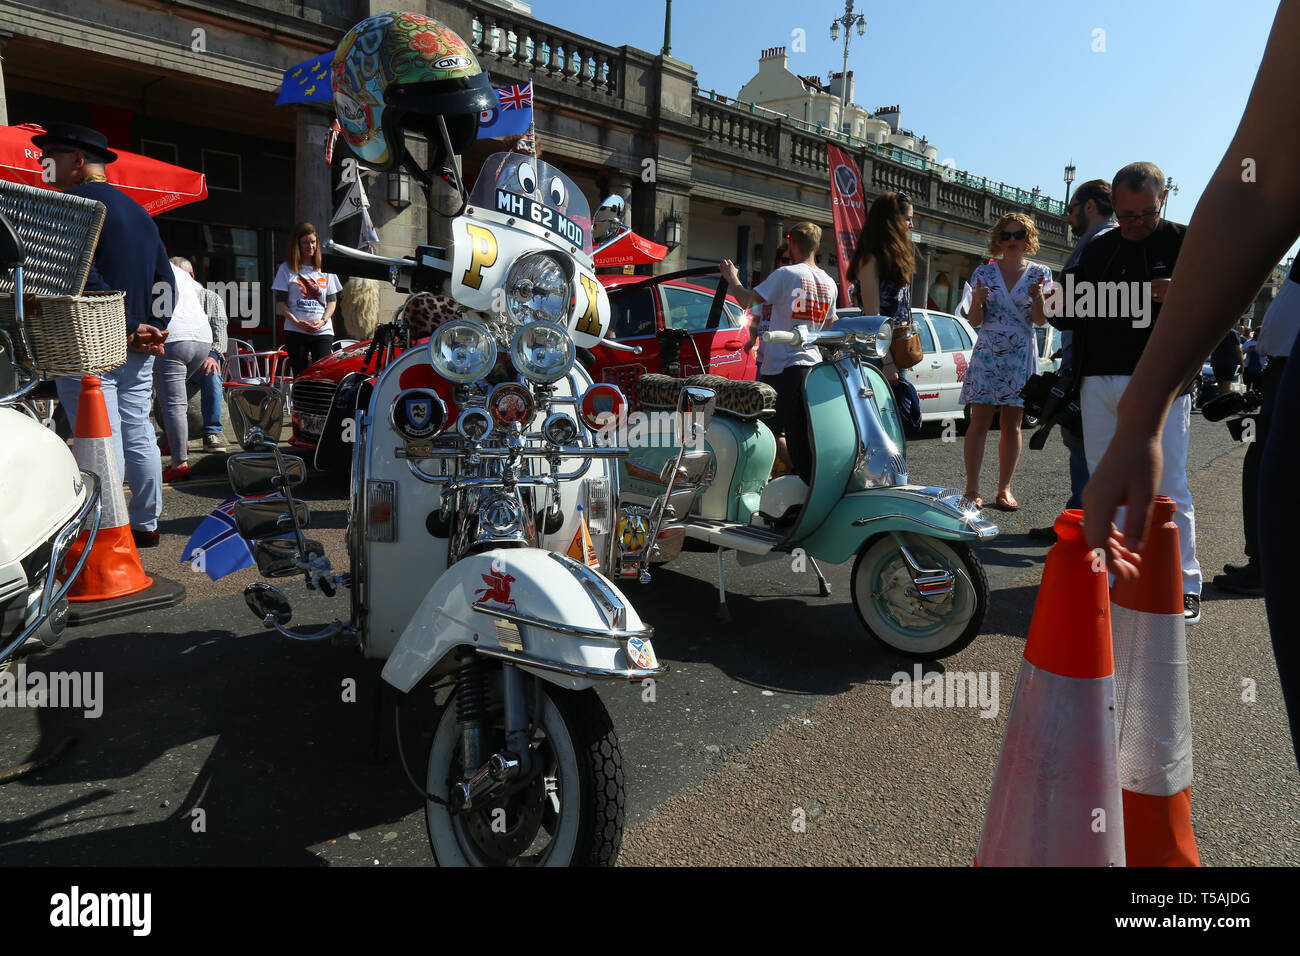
<point x="1007" y="304"/>
<point x="306" y="298"/>
<point x="882" y="267"/>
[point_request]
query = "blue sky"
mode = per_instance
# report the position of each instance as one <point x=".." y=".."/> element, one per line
<point x="1009" y="90"/>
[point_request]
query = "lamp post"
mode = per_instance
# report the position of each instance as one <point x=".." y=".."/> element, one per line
<point x="1170" y="187"/>
<point x="848" y="21"/>
<point x="1069" y="178"/>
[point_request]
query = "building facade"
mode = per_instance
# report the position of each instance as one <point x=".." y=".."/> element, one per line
<point x="194" y="82"/>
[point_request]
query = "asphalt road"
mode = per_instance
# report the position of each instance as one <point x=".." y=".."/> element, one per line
<point x="220" y="742"/>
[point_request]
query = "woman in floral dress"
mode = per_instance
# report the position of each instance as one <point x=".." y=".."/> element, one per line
<point x="1007" y="304"/>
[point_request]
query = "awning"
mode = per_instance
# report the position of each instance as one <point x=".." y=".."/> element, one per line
<point x="155" y="185"/>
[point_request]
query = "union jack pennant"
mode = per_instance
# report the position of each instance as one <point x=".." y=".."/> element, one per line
<point x="512" y="116"/>
<point x="216" y="547"/>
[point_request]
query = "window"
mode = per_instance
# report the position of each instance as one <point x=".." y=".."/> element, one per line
<point x="154" y="149"/>
<point x="927" y="340"/>
<point x="632" y="315"/>
<point x="688" y="310"/>
<point x="961" y="330"/>
<point x="946" y="329"/>
<point x="222" y="170"/>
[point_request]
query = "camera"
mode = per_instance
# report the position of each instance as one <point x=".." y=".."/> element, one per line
<point x="1242" y="405"/>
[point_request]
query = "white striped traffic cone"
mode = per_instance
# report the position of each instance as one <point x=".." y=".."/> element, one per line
<point x="1056" y="796"/>
<point x="1154" y="712"/>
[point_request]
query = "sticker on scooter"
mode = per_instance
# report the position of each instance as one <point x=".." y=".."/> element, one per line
<point x="418" y="413"/>
<point x="497" y="590"/>
<point x="642" y="654"/>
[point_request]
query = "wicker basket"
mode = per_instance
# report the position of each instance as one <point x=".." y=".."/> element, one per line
<point x="69" y="335"/>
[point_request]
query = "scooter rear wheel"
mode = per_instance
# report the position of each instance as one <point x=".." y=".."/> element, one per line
<point x="570" y="814"/>
<point x="894" y="613"/>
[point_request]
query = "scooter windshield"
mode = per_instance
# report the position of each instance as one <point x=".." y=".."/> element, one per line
<point x="529" y="189"/>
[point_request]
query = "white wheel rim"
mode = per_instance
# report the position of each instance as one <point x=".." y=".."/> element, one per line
<point x="959" y="612"/>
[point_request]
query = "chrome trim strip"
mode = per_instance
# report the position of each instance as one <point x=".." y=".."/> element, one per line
<point x="613" y="635"/>
<point x="52" y="591"/>
<point x="574" y="670"/>
<point x="979" y="532"/>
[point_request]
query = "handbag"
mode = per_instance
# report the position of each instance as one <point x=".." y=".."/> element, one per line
<point x="905" y="349"/>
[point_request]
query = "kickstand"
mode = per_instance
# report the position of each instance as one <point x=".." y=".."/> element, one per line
<point x="723" y="614"/>
<point x="823" y="586"/>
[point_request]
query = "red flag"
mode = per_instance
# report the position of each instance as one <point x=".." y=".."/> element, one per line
<point x="849" y="208"/>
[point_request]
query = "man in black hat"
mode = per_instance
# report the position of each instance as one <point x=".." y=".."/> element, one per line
<point x="130" y="258"/>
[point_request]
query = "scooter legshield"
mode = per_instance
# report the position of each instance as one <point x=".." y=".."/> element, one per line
<point x="540" y="610"/>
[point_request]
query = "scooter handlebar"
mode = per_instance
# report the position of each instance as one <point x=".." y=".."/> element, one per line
<point x="781" y="338"/>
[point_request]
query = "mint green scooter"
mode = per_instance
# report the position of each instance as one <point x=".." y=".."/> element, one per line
<point x="700" y="469"/>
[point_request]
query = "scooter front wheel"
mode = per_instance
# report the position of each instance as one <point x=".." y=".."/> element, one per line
<point x="569" y="814"/>
<point x="895" y="613"/>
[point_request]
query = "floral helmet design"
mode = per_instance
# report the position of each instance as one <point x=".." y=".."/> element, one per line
<point x="404" y="71"/>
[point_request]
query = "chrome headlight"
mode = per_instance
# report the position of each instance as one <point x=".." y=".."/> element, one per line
<point x="884" y="337"/>
<point x="543" y="352"/>
<point x="537" y="287"/>
<point x="462" y="351"/>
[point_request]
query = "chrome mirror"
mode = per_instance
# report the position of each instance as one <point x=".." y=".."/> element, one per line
<point x="257" y="414"/>
<point x="258" y="474"/>
<point x="695" y="406"/>
<point x="278" y="557"/>
<point x="266" y="517"/>
<point x="267" y="601"/>
<point x="609" y="220"/>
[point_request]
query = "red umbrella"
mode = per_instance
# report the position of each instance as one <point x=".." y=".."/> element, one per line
<point x="156" y="185"/>
<point x="631" y="250"/>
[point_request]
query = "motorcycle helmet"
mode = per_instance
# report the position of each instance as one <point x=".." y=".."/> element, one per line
<point x="403" y="71"/>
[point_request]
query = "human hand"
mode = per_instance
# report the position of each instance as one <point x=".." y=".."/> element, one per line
<point x="1159" y="289"/>
<point x="1036" y="290"/>
<point x="210" y="366"/>
<point x="1126" y="475"/>
<point x="729" y="272"/>
<point x="148" y="339"/>
<point x="981" y="294"/>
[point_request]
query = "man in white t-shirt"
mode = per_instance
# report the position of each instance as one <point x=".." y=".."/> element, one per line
<point x="802" y="296"/>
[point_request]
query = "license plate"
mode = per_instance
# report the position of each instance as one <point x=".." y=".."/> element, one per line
<point x="642" y="653"/>
<point x="312" y="424"/>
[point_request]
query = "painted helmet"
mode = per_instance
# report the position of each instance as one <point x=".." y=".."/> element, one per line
<point x="401" y="71"/>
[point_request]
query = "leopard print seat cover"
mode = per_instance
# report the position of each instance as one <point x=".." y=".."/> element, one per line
<point x="747" y="400"/>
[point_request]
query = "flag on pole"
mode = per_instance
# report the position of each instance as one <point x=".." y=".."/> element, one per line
<point x="848" y="209"/>
<point x="330" y="139"/>
<point x="513" y="114"/>
<point x="353" y="203"/>
<point x="216" y="547"/>
<point x="369" y="236"/>
<point x="308" y="82"/>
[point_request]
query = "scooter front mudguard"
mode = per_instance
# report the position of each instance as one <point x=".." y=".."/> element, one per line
<point x="539" y="610"/>
<point x="923" y="510"/>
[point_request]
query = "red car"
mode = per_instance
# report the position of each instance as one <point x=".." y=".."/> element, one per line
<point x="638" y="316"/>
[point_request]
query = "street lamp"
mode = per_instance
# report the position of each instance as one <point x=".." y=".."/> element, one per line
<point x="848" y="21"/>
<point x="1170" y="187"/>
<point x="1069" y="178"/>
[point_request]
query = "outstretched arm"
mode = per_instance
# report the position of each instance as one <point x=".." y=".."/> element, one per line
<point x="1257" y="182"/>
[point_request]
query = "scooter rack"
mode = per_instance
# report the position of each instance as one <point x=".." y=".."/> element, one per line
<point x="932" y="584"/>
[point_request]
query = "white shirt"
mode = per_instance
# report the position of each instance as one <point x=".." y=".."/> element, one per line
<point x="1281" y="321"/>
<point x="802" y="296"/>
<point x="301" y="303"/>
<point x="189" y="323"/>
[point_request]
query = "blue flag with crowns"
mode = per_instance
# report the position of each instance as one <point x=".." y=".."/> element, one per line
<point x="308" y="82"/>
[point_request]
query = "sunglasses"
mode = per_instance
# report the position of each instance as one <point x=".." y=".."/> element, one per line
<point x="1149" y="216"/>
<point x="1018" y="234"/>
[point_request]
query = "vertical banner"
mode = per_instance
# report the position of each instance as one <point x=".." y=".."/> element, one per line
<point x="849" y="209"/>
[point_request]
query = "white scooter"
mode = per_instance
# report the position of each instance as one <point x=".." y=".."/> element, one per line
<point x="474" y="467"/>
<point x="46" y="501"/>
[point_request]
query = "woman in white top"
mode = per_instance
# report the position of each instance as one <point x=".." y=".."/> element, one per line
<point x="306" y="298"/>
<point x="189" y="341"/>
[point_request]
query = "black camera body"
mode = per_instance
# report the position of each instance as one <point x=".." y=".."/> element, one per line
<point x="1243" y="405"/>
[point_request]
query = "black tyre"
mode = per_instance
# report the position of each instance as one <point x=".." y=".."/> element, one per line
<point x="570" y="814"/>
<point x="893" y="613"/>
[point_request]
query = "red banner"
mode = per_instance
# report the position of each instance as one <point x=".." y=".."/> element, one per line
<point x="850" y="210"/>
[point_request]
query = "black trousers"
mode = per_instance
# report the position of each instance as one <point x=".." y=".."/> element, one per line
<point x="1271" y="380"/>
<point x="305" y="350"/>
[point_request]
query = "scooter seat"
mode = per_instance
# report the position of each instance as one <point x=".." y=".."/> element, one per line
<point x="739" y="399"/>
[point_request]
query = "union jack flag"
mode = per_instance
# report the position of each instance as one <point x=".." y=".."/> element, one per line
<point x="216" y="548"/>
<point x="516" y="97"/>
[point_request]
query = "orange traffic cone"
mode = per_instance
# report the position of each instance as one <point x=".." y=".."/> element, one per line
<point x="1056" y="795"/>
<point x="113" y="573"/>
<point x="582" y="548"/>
<point x="1151" y="695"/>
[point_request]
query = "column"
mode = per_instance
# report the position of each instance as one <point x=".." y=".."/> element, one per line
<point x="313" y="199"/>
<point x="773" y="233"/>
<point x="4" y="109"/>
